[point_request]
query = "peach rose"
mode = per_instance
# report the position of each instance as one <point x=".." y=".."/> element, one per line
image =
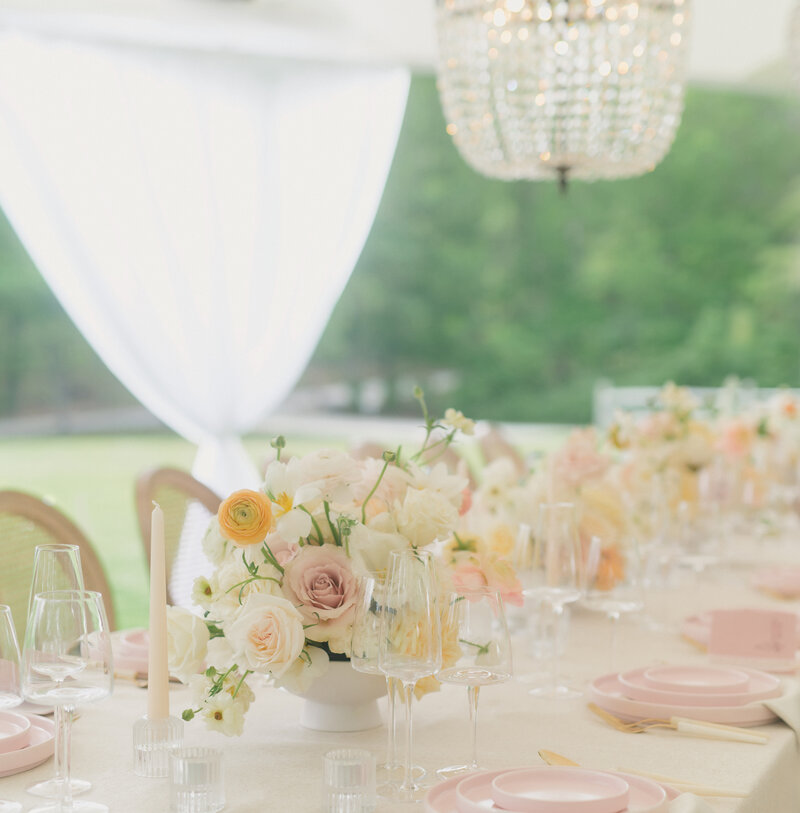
<point x="245" y="518"/>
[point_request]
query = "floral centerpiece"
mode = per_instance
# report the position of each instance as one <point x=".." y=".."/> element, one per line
<point x="287" y="559"/>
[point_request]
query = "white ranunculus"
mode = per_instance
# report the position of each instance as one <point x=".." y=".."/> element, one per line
<point x="371" y="544"/>
<point x="214" y="543"/>
<point x="439" y="478"/>
<point x="304" y="671"/>
<point x="267" y="634"/>
<point x="425" y="516"/>
<point x="187" y="643"/>
<point x="332" y="472"/>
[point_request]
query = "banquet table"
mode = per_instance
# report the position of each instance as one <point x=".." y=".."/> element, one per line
<point x="277" y="765"/>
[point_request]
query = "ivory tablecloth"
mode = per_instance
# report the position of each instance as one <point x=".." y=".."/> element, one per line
<point x="277" y="765"/>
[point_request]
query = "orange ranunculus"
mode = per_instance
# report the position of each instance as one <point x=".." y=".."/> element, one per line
<point x="245" y="518"/>
<point x="611" y="569"/>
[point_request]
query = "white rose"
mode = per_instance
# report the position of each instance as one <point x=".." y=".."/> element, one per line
<point x="267" y="634"/>
<point x="234" y="583"/>
<point x="371" y="544"/>
<point x="219" y="654"/>
<point x="425" y="516"/>
<point x="187" y="643"/>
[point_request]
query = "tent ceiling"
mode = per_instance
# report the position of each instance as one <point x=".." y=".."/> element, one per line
<point x="733" y="42"/>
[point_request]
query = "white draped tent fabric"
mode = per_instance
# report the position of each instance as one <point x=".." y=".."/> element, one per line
<point x="197" y="214"/>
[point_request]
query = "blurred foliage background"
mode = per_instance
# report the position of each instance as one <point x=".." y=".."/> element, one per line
<point x="515" y="298"/>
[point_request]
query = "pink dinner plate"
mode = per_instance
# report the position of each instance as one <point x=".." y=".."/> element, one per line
<point x="780" y="581"/>
<point x="696" y="679"/>
<point x="553" y="790"/>
<point x="760" y="686"/>
<point x="643" y="797"/>
<point x="610" y="695"/>
<point x="134" y="642"/>
<point x="15" y="731"/>
<point x="39" y="749"/>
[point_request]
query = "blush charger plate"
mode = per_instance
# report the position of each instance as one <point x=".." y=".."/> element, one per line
<point x="646" y="795"/>
<point x="608" y="693"/>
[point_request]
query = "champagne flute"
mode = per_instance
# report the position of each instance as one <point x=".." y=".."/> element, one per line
<point x="56" y="567"/>
<point x="66" y="661"/>
<point x="613" y="583"/>
<point x="477" y="649"/>
<point x="410" y="645"/>
<point x="10" y="688"/>
<point x="553" y="579"/>
<point x="364" y="658"/>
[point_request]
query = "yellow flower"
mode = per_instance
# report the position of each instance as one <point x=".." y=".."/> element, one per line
<point x="245" y="518"/>
<point x="501" y="540"/>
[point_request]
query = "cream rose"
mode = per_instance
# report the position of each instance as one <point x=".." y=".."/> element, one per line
<point x="187" y="643"/>
<point x="371" y="544"/>
<point x="267" y="634"/>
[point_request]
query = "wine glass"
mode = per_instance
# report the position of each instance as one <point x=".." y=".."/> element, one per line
<point x="476" y="650"/>
<point x="56" y="567"/>
<point x="364" y="658"/>
<point x="10" y="688"/>
<point x="613" y="582"/>
<point x="66" y="661"/>
<point x="410" y="644"/>
<point x="552" y="578"/>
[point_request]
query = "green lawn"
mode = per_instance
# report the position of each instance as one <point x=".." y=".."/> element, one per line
<point x="91" y="478"/>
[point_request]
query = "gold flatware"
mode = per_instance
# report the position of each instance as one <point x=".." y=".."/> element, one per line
<point x="552" y="758"/>
<point x="683" y="725"/>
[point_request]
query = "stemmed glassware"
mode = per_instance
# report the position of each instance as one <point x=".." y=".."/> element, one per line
<point x="550" y="574"/>
<point x="410" y="645"/>
<point x="56" y="567"/>
<point x="364" y="658"/>
<point x="613" y="583"/>
<point x="66" y="661"/>
<point x="475" y="633"/>
<point x="10" y="687"/>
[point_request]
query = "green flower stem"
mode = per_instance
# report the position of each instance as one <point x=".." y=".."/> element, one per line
<point x="371" y="493"/>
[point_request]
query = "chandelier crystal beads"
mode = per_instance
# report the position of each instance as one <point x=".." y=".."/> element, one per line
<point x="539" y="89"/>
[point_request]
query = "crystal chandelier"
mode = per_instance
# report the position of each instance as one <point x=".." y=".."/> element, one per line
<point x="543" y="89"/>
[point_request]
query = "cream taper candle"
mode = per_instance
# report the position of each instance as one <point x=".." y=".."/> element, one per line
<point x="158" y="667"/>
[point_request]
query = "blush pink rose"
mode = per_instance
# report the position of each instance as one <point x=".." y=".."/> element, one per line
<point x="466" y="501"/>
<point x="320" y="582"/>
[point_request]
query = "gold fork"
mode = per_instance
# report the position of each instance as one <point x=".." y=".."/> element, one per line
<point x="683" y="725"/>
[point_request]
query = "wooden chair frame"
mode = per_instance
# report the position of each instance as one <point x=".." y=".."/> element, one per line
<point x="66" y="532"/>
<point x="149" y="482"/>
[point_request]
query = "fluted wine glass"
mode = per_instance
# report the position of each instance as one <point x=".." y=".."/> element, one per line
<point x="612" y="579"/>
<point x="477" y="647"/>
<point x="56" y="567"/>
<point x="551" y="577"/>
<point x="410" y="644"/>
<point x="66" y="661"/>
<point x="364" y="658"/>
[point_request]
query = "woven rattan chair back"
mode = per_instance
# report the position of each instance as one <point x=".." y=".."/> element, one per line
<point x="494" y="445"/>
<point x="187" y="505"/>
<point x="25" y="522"/>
